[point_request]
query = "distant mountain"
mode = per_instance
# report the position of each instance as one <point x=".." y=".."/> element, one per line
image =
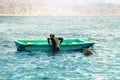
<point x="21" y="9"/>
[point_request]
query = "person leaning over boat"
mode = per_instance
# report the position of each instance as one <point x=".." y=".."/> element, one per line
<point x="55" y="42"/>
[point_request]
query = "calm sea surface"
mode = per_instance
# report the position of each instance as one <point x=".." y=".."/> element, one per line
<point x="67" y="65"/>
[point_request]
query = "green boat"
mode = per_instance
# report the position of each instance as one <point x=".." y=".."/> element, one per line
<point x="42" y="45"/>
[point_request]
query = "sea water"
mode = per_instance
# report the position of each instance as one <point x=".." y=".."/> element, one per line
<point x="66" y="65"/>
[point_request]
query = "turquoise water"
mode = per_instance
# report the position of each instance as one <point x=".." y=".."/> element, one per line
<point x="67" y="65"/>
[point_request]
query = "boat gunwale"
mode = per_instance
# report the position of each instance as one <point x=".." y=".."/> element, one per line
<point x="65" y="44"/>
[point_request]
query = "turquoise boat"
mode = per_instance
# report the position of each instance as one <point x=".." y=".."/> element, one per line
<point x="42" y="45"/>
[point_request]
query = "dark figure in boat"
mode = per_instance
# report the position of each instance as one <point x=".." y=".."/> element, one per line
<point x="55" y="42"/>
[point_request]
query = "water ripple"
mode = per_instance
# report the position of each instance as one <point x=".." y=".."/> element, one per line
<point x="67" y="65"/>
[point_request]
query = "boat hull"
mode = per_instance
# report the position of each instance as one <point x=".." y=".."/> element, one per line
<point x="42" y="45"/>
